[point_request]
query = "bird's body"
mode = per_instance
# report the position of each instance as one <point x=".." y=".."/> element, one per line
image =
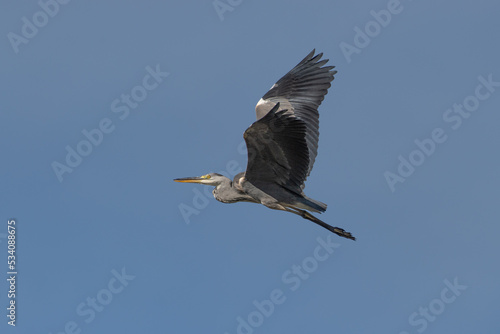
<point x="231" y="191"/>
<point x="282" y="145"/>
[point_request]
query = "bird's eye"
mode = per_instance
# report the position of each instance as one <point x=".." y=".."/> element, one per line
<point x="206" y="176"/>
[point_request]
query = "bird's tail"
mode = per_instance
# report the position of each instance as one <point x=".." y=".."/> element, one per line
<point x="311" y="205"/>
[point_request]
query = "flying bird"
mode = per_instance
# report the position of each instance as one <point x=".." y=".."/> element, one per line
<point x="282" y="146"/>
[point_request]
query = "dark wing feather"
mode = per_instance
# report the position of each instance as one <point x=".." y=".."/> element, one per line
<point x="277" y="150"/>
<point x="301" y="91"/>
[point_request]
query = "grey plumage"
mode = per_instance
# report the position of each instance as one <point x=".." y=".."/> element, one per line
<point x="277" y="150"/>
<point x="282" y="145"/>
<point x="301" y="91"/>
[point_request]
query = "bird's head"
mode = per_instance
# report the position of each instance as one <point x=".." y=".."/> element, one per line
<point x="212" y="179"/>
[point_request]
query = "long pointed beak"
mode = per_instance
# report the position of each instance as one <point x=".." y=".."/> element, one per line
<point x="194" y="179"/>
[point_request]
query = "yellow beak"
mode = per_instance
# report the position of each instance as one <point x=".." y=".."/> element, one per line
<point x="194" y="179"/>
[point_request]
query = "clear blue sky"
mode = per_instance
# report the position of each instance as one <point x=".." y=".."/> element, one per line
<point x="105" y="248"/>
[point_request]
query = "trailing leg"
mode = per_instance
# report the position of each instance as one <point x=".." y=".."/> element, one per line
<point x="306" y="215"/>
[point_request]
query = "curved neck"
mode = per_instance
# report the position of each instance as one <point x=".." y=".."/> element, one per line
<point x="225" y="192"/>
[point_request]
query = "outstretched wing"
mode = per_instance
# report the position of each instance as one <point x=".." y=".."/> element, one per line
<point x="301" y="92"/>
<point x="277" y="150"/>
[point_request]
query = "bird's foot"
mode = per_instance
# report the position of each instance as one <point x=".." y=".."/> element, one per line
<point x="341" y="232"/>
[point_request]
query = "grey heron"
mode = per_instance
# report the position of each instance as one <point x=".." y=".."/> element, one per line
<point x="282" y="146"/>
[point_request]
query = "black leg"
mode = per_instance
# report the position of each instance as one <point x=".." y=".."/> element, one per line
<point x="306" y="215"/>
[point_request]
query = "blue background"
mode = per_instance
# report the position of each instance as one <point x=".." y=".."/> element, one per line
<point x="120" y="209"/>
